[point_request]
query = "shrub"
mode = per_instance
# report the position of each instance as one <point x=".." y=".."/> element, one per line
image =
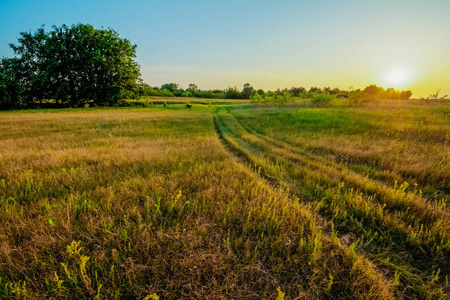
<point x="272" y="97"/>
<point x="165" y="93"/>
<point x="233" y="93"/>
<point x="322" y="99"/>
<point x="186" y="94"/>
<point x="357" y="98"/>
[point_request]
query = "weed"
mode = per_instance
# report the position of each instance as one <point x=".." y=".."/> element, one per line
<point x="280" y="295"/>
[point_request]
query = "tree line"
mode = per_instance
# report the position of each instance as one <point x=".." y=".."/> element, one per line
<point x="78" y="65"/>
<point x="249" y="92"/>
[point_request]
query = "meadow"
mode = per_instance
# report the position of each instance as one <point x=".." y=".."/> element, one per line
<point x="226" y="200"/>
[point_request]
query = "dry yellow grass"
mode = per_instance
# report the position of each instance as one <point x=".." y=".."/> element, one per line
<point x="375" y="173"/>
<point x="127" y="203"/>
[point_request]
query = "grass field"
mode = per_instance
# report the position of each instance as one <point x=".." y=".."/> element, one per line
<point x="226" y="201"/>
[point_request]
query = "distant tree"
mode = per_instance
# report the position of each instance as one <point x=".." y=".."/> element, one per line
<point x="72" y="65"/>
<point x="186" y="93"/>
<point x="322" y="99"/>
<point x="389" y="93"/>
<point x="232" y="93"/>
<point x="165" y="93"/>
<point x="296" y="90"/>
<point x="335" y="91"/>
<point x="171" y="87"/>
<point x="247" y="91"/>
<point x="373" y="89"/>
<point x="279" y="92"/>
<point x="260" y="91"/>
<point x="146" y="90"/>
<point x="326" y="90"/>
<point x="405" y="95"/>
<point x="209" y="94"/>
<point x="315" y="90"/>
<point x="178" y="92"/>
<point x="193" y="88"/>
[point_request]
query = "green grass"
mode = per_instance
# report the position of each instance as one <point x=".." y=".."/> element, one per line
<point x="225" y="202"/>
<point x="362" y="182"/>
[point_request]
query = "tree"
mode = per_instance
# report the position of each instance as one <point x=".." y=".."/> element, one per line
<point x="192" y="88"/>
<point x="296" y="90"/>
<point x="314" y="89"/>
<point x="171" y="87"/>
<point x="10" y="86"/>
<point x="232" y="93"/>
<point x="373" y="89"/>
<point x="73" y="65"/>
<point x="247" y="91"/>
<point x="405" y="95"/>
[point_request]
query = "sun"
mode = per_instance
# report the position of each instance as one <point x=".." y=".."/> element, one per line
<point x="397" y="77"/>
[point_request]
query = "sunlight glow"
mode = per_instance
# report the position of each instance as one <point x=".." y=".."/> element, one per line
<point x="397" y="77"/>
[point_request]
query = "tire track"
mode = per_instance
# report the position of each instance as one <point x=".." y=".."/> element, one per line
<point x="293" y="157"/>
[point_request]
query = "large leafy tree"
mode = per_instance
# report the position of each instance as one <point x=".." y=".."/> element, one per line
<point x="11" y="71"/>
<point x="72" y="65"/>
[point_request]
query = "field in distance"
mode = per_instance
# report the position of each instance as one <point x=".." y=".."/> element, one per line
<point x="226" y="201"/>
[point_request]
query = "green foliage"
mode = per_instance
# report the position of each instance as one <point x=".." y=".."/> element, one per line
<point x="260" y="91"/>
<point x="165" y="93"/>
<point x="356" y="98"/>
<point x="247" y="91"/>
<point x="232" y="93"/>
<point x="389" y="93"/>
<point x="373" y="89"/>
<point x="178" y="93"/>
<point x="10" y="86"/>
<point x="192" y="88"/>
<point x="272" y="97"/>
<point x="186" y="94"/>
<point x="296" y="91"/>
<point x="72" y="65"/>
<point x="171" y="87"/>
<point x="146" y="90"/>
<point x="322" y="99"/>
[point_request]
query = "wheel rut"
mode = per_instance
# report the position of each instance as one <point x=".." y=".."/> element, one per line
<point x="241" y="156"/>
<point x="243" y="143"/>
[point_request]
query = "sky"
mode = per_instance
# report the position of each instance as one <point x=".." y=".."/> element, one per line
<point x="403" y="44"/>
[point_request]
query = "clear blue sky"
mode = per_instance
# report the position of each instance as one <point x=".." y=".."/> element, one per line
<point x="271" y="44"/>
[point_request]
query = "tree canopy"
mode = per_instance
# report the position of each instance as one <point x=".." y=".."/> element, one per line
<point x="72" y="65"/>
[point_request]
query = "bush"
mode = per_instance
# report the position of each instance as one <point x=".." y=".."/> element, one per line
<point x="357" y="98"/>
<point x="322" y="99"/>
<point x="186" y="94"/>
<point x="272" y="97"/>
<point x="165" y="93"/>
<point x="232" y="93"/>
